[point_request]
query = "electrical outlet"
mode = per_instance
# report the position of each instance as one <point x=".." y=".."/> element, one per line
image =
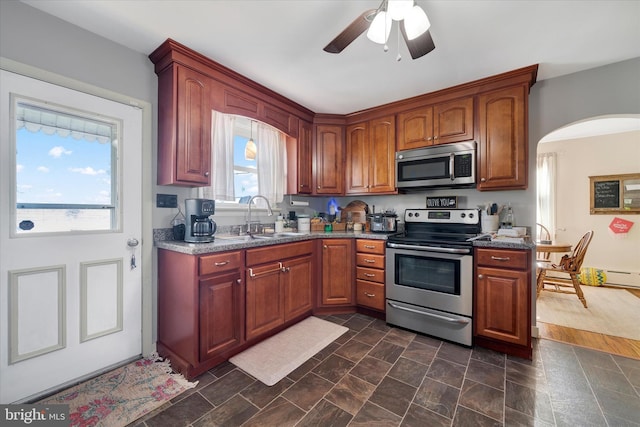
<point x="166" y="201"/>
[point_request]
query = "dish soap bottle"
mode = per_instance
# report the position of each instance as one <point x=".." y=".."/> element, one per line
<point x="509" y="218"/>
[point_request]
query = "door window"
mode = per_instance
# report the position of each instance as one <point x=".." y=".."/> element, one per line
<point x="65" y="169"/>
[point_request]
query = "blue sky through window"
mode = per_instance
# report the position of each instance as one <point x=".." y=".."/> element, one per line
<point x="55" y="169"/>
<point x="245" y="176"/>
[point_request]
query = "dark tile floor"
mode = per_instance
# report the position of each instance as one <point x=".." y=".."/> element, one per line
<point x="383" y="376"/>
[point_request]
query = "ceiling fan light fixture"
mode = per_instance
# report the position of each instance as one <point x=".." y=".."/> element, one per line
<point x="380" y="28"/>
<point x="416" y="22"/>
<point x="399" y="9"/>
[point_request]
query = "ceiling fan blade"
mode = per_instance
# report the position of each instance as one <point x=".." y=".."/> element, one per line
<point x="419" y="46"/>
<point x="349" y="34"/>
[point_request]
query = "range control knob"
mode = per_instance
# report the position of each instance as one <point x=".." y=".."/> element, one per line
<point x="471" y="215"/>
<point x="417" y="214"/>
<point x="462" y="215"/>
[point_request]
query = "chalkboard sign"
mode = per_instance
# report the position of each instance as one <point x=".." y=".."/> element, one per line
<point x="606" y="194"/>
<point x="611" y="194"/>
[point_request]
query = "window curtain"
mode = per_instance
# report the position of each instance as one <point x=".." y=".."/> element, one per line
<point x="221" y="159"/>
<point x="272" y="164"/>
<point x="546" y="179"/>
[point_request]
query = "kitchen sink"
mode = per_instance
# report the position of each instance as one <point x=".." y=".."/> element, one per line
<point x="234" y="238"/>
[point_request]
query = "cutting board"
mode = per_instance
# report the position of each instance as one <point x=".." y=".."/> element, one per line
<point x="358" y="209"/>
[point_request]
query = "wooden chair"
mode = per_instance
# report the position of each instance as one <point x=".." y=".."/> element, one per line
<point x="569" y="265"/>
<point x="542" y="233"/>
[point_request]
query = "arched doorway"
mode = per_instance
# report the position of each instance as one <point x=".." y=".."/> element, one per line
<point x="603" y="145"/>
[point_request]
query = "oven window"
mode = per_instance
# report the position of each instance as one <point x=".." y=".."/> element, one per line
<point x="432" y="274"/>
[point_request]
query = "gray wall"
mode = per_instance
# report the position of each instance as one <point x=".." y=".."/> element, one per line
<point x="35" y="38"/>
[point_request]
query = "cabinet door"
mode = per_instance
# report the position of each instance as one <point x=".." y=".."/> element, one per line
<point x="298" y="279"/>
<point x="382" y="154"/>
<point x="337" y="272"/>
<point x="264" y="301"/>
<point x="503" y="139"/>
<point x="415" y="128"/>
<point x="221" y="304"/>
<point x="453" y="121"/>
<point x="502" y="305"/>
<point x="329" y="160"/>
<point x="305" y="158"/>
<point x="193" y="138"/>
<point x="358" y="159"/>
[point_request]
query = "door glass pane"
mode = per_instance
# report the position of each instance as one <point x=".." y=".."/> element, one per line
<point x="65" y="175"/>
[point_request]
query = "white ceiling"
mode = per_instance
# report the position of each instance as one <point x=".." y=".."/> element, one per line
<point x="278" y="43"/>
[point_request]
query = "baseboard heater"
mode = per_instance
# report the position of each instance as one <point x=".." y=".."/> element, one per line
<point x="623" y="278"/>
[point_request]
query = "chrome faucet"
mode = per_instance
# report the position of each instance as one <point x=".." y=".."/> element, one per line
<point x="269" y="211"/>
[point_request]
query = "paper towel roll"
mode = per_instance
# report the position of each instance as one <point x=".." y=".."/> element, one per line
<point x="298" y="203"/>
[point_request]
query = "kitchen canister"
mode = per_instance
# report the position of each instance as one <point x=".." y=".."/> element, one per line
<point x="304" y="223"/>
<point x="490" y="223"/>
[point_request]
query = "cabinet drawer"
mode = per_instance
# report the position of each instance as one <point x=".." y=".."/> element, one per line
<point x="278" y="252"/>
<point x="370" y="294"/>
<point x="370" y="246"/>
<point x="217" y="263"/>
<point x="370" y="260"/>
<point x="503" y="258"/>
<point x="370" y="274"/>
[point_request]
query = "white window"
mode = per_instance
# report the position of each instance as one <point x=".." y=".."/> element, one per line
<point x="65" y="169"/>
<point x="248" y="158"/>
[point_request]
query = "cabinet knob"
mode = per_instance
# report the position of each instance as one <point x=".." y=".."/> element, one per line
<point x="324" y="246"/>
<point x="239" y="281"/>
<point x="318" y="187"/>
<point x="435" y="137"/>
<point x="480" y="276"/>
<point x="206" y="174"/>
<point x="483" y="179"/>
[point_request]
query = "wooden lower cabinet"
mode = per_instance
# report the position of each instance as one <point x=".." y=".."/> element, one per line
<point x="200" y="309"/>
<point x="279" y="286"/>
<point x="370" y="275"/>
<point x="221" y="311"/>
<point x="503" y="301"/>
<point x="337" y="272"/>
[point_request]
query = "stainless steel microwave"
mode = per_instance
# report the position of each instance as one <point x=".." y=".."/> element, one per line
<point x="446" y="165"/>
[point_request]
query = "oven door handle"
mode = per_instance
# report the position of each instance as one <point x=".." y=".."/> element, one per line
<point x="429" y="248"/>
<point x="437" y="316"/>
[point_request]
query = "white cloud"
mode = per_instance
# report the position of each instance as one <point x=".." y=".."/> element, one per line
<point x="88" y="171"/>
<point x="43" y="169"/>
<point x="59" y="151"/>
<point x="19" y="168"/>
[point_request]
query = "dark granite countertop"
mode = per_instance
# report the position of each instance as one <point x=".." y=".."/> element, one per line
<point x="230" y="242"/>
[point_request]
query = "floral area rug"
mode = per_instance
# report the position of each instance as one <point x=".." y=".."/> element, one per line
<point x="123" y="395"/>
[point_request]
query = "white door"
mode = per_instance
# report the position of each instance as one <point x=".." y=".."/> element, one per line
<point x="70" y="205"/>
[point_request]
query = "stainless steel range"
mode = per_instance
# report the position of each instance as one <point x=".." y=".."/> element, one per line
<point x="429" y="273"/>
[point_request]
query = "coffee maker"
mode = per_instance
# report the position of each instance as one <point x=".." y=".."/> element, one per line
<point x="200" y="228"/>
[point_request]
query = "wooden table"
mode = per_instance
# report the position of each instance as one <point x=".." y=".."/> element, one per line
<point x="553" y="247"/>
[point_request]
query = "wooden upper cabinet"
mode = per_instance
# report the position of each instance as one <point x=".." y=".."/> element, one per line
<point x="357" y="158"/>
<point x="502" y="156"/>
<point x="370" y="157"/>
<point x="305" y="158"/>
<point x="442" y="123"/>
<point x="329" y="160"/>
<point x="184" y="129"/>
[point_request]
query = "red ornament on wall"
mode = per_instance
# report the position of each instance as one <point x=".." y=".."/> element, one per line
<point x="620" y="226"/>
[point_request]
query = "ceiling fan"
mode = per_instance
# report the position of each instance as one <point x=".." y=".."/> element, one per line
<point x="412" y="22"/>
